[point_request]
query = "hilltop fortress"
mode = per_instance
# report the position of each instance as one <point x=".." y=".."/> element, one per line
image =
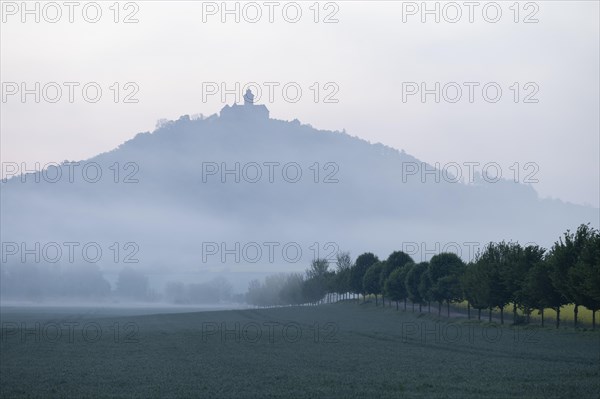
<point x="248" y="111"/>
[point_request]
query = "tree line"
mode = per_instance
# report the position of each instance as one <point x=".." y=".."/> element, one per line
<point x="528" y="277"/>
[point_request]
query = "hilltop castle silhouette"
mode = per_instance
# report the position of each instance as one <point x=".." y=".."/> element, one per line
<point x="248" y="111"/>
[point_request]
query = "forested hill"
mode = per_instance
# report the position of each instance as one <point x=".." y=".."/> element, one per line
<point x="238" y="178"/>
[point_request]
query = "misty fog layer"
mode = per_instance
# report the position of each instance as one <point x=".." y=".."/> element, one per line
<point x="193" y="211"/>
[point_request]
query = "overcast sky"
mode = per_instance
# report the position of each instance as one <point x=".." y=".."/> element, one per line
<point x="369" y="57"/>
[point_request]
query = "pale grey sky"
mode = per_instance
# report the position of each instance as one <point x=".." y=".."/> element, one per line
<point x="366" y="57"/>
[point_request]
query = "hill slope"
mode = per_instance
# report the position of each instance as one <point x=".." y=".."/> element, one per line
<point x="293" y="184"/>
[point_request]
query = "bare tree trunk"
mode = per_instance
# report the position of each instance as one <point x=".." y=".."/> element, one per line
<point x="478" y="314"/>
<point x="405" y="304"/>
<point x="593" y="320"/>
<point x="396" y="306"/>
<point x="542" y="313"/>
<point x="376" y="304"/>
<point x="575" y="311"/>
<point x="502" y="315"/>
<point x="468" y="310"/>
<point x="448" y="307"/>
<point x="558" y="317"/>
<point x="420" y="307"/>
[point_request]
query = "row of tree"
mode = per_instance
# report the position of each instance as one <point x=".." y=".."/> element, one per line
<point x="39" y="282"/>
<point x="33" y="282"/>
<point x="528" y="277"/>
<point x="217" y="290"/>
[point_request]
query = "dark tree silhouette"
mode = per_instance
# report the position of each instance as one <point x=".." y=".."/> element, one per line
<point x="425" y="287"/>
<point x="492" y="261"/>
<point x="413" y="281"/>
<point x="395" y="284"/>
<point x="475" y="290"/>
<point x="371" y="280"/>
<point x="563" y="257"/>
<point x="584" y="276"/>
<point x="396" y="260"/>
<point x="539" y="292"/>
<point x="445" y="270"/>
<point x="357" y="273"/>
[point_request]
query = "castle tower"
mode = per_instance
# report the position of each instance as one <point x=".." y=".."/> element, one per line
<point x="249" y="97"/>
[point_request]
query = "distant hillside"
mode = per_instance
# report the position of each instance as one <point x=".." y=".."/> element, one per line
<point x="359" y="200"/>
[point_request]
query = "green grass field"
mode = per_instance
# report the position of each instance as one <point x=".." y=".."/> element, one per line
<point x="566" y="315"/>
<point x="331" y="351"/>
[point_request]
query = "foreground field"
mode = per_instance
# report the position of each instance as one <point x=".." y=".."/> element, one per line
<point x="340" y="350"/>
